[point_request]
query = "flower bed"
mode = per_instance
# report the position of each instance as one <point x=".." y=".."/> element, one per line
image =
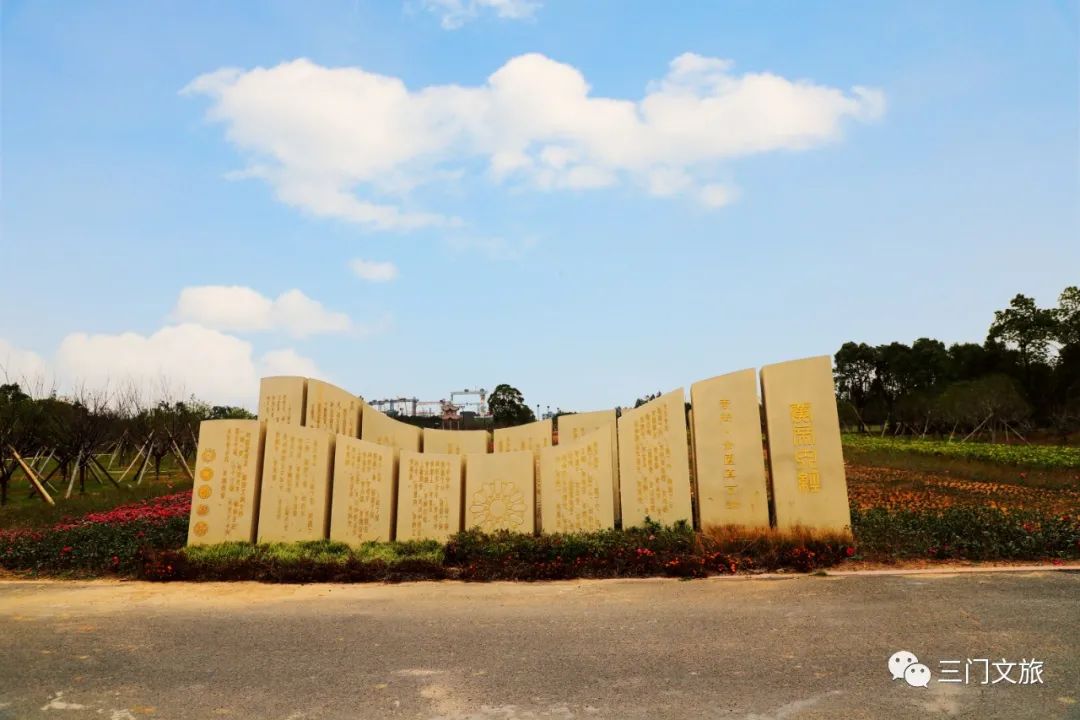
<point x="146" y="540"/>
<point x="116" y="541"/>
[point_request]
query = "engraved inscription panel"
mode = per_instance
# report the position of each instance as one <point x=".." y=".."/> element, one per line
<point x="295" y="502"/>
<point x="654" y="464"/>
<point x="429" y="496"/>
<point x="224" y="501"/>
<point x="729" y="459"/>
<point x="331" y="408"/>
<point x="499" y="491"/>
<point x="363" y="492"/>
<point x="577" y="486"/>
<point x="282" y="399"/>
<point x="805" y="456"/>
<point x="576" y="426"/>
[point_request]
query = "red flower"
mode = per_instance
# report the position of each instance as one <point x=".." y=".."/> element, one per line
<point x="849" y="551"/>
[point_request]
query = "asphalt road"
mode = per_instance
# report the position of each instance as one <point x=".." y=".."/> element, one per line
<point x="799" y="647"/>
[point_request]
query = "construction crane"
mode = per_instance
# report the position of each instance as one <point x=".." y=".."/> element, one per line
<point x="478" y="406"/>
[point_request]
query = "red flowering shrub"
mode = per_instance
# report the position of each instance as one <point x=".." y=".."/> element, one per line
<point x="100" y="543"/>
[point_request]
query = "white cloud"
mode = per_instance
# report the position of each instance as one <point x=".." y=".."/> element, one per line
<point x="373" y="270"/>
<point x="242" y="309"/>
<point x="286" y="362"/>
<point x="455" y="13"/>
<point x="24" y="367"/>
<point x="350" y="144"/>
<point x="716" y="196"/>
<point x="175" y="362"/>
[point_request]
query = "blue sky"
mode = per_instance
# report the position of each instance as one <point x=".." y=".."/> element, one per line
<point x="590" y="201"/>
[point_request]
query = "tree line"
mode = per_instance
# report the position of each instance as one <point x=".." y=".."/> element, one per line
<point x="97" y="437"/>
<point x="1024" y="377"/>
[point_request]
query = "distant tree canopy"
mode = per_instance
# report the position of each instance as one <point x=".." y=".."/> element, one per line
<point x="508" y="407"/>
<point x="76" y="432"/>
<point x="1026" y="374"/>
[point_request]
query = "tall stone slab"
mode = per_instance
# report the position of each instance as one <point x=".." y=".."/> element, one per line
<point x="532" y="436"/>
<point x="499" y="491"/>
<point x="429" y="495"/>
<point x="378" y="427"/>
<point x="576" y="484"/>
<point x="576" y="426"/>
<point x="364" y="492"/>
<point x="806" y="461"/>
<point x="654" y="462"/>
<point x="332" y="408"/>
<point x="228" y="467"/>
<point x="282" y="399"/>
<point x="295" y="500"/>
<point x="729" y="460"/>
<point x="455" y="442"/>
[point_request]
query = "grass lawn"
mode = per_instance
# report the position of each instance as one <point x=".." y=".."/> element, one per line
<point x="25" y="509"/>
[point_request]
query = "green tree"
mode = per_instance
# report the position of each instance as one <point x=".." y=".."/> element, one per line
<point x="1029" y="329"/>
<point x="508" y="406"/>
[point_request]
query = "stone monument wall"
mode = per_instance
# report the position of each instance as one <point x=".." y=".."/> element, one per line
<point x="282" y="399"/>
<point x="499" y="491"/>
<point x="576" y="484"/>
<point x="228" y="467"/>
<point x="806" y="461"/>
<point x="295" y="499"/>
<point x="578" y="425"/>
<point x="429" y="495"/>
<point x="331" y="408"/>
<point x="654" y="462"/>
<point x="729" y="461"/>
<point x="455" y="442"/>
<point x="364" y="492"/>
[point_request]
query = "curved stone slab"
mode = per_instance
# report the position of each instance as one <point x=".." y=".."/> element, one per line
<point x="282" y="399"/>
<point x="806" y="461"/>
<point x="455" y="442"/>
<point x="499" y="491"/>
<point x="378" y="427"/>
<point x="332" y="408"/>
<point x="228" y="467"/>
<point x="363" y="492"/>
<point x="429" y="495"/>
<point x="295" y="498"/>
<point x="654" y="462"/>
<point x="576" y="485"/>
<point x="578" y="425"/>
<point x="729" y="460"/>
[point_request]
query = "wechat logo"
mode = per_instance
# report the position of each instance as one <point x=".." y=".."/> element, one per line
<point x="903" y="665"/>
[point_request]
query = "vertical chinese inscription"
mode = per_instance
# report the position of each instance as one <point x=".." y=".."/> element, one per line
<point x="295" y="503"/>
<point x="578" y="425"/>
<point x="499" y="491"/>
<point x="654" y="463"/>
<point x="331" y="408"/>
<point x="429" y="496"/>
<point x="227" y="474"/>
<point x="577" y="486"/>
<point x="282" y="399"/>
<point x="805" y="457"/>
<point x="363" y="492"/>
<point x="729" y="464"/>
